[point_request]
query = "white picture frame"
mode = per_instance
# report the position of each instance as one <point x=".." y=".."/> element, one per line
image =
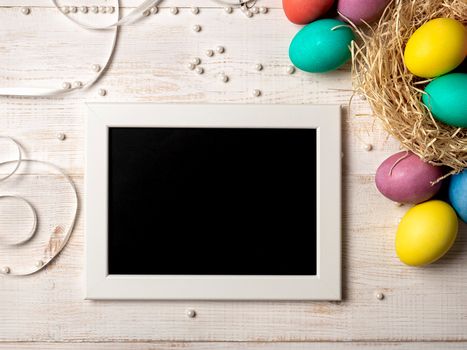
<point x="325" y="285"/>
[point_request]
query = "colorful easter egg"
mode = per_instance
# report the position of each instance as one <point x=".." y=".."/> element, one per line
<point x="446" y="98"/>
<point x="359" y="11"/>
<point x="321" y="46"/>
<point x="305" y="11"/>
<point x="436" y="48"/>
<point x="458" y="194"/>
<point x="405" y="178"/>
<point x="426" y="232"/>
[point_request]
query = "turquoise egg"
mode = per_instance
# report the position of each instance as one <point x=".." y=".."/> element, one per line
<point x="458" y="194"/>
<point x="317" y="48"/>
<point x="446" y="98"/>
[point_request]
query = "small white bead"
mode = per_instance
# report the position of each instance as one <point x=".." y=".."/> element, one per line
<point x="25" y="10"/>
<point x="196" y="28"/>
<point x="379" y="295"/>
<point x="228" y="9"/>
<point x="191" y="66"/>
<point x="254" y="10"/>
<point x="244" y="8"/>
<point x="196" y="61"/>
<point x="174" y="10"/>
<point x="368" y="147"/>
<point x="73" y="9"/>
<point x="110" y="9"/>
<point x="263" y="10"/>
<point x="199" y="70"/>
<point x="249" y="13"/>
<point x="256" y="93"/>
<point x="363" y="97"/>
<point x="65" y="9"/>
<point x="195" y="10"/>
<point x="102" y="9"/>
<point x="96" y="68"/>
<point x="398" y="204"/>
<point x="39" y="263"/>
<point x="190" y="313"/>
<point x="259" y="67"/>
<point x="61" y="136"/>
<point x="84" y="9"/>
<point x="66" y="85"/>
<point x="95" y="9"/>
<point x="209" y="53"/>
<point x="220" y="49"/>
<point x="5" y="270"/>
<point x="224" y="78"/>
<point x="290" y="70"/>
<point x="78" y="84"/>
<point x="146" y="13"/>
<point x="154" y="10"/>
<point x="102" y="92"/>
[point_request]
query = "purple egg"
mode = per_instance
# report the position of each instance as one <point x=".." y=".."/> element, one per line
<point x="362" y="10"/>
<point x="405" y="178"/>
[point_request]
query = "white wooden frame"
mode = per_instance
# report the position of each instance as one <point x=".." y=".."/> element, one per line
<point x="326" y="285"/>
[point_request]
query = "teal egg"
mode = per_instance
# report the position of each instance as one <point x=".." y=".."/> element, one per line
<point x="446" y="98"/>
<point x="317" y="48"/>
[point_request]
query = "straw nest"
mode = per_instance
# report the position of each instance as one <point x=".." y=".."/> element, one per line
<point x="394" y="94"/>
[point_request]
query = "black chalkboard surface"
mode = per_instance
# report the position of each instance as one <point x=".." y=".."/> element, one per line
<point x="212" y="201"/>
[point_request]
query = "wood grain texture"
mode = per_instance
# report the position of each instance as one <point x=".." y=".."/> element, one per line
<point x="425" y="304"/>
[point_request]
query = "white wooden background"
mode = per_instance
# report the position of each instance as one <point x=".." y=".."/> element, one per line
<point x="422" y="308"/>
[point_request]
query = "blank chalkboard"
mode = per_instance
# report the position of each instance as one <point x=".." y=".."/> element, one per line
<point x="212" y="201"/>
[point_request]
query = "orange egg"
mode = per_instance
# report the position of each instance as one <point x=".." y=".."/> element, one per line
<point x="305" y="11"/>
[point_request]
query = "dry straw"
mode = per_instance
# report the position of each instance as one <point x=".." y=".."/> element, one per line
<point x="394" y="94"/>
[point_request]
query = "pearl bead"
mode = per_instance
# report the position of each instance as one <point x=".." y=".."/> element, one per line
<point x="95" y="9"/>
<point x="256" y="93"/>
<point x="5" y="270"/>
<point x="259" y="67"/>
<point x="146" y="13"/>
<point x="249" y="13"/>
<point x="220" y="49"/>
<point x="73" y="9"/>
<point x="110" y="9"/>
<point x="84" y="9"/>
<point x="61" y="136"/>
<point x="25" y="10"/>
<point x="379" y="295"/>
<point x="174" y="10"/>
<point x="290" y="70"/>
<point x="102" y="92"/>
<point x="196" y="28"/>
<point x="228" y="9"/>
<point x="78" y="84"/>
<point x="195" y="10"/>
<point x="191" y="66"/>
<point x="154" y="10"/>
<point x="102" y="9"/>
<point x="224" y="78"/>
<point x="368" y="147"/>
<point x="263" y="10"/>
<point x="65" y="9"/>
<point x="66" y="85"/>
<point x="199" y="70"/>
<point x="244" y="8"/>
<point x="191" y="313"/>
<point x="254" y="10"/>
<point x="398" y="204"/>
<point x="209" y="53"/>
<point x="96" y="68"/>
<point x="196" y="61"/>
<point x="39" y="263"/>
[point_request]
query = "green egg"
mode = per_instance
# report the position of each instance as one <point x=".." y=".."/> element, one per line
<point x="446" y="98"/>
<point x="317" y="48"/>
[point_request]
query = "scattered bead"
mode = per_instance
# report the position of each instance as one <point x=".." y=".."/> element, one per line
<point x="224" y="78"/>
<point x="220" y="49"/>
<point x="146" y="13"/>
<point x="254" y="10"/>
<point x="363" y="97"/>
<point x="102" y="9"/>
<point x="191" y="313"/>
<point x="199" y="70"/>
<point x="39" y="263"/>
<point x="196" y="61"/>
<point x="153" y="10"/>
<point x="368" y="147"/>
<point x="290" y="70"/>
<point x="209" y="53"/>
<point x="248" y="13"/>
<point x="78" y="84"/>
<point x="263" y="10"/>
<point x="195" y="10"/>
<point x="84" y="9"/>
<point x="94" y="9"/>
<point x="66" y="85"/>
<point x="65" y="10"/>
<point x="102" y="92"/>
<point x="379" y="295"/>
<point x="244" y="8"/>
<point x="228" y="9"/>
<point x="61" y="136"/>
<point x="174" y="10"/>
<point x="5" y="270"/>
<point x="96" y="68"/>
<point x="25" y="10"/>
<point x="191" y="66"/>
<point x="196" y="28"/>
<point x="73" y="9"/>
<point x="256" y="93"/>
<point x="259" y="67"/>
<point x="398" y="204"/>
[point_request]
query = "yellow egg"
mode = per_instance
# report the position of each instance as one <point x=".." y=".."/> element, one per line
<point x="426" y="232"/>
<point x="436" y="48"/>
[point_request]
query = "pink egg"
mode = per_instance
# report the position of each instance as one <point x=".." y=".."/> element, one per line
<point x="405" y="178"/>
<point x="362" y="10"/>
